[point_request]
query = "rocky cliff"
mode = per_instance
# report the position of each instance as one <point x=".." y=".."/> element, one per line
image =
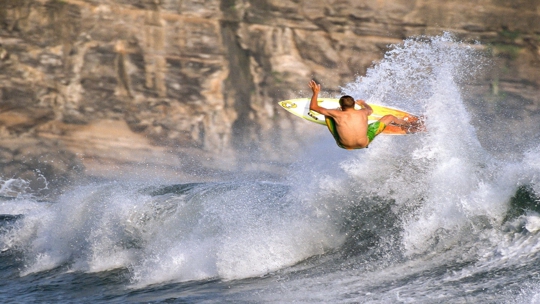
<point x="96" y="86"/>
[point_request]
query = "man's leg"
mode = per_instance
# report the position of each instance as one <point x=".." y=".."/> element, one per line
<point x="414" y="126"/>
<point x="391" y="119"/>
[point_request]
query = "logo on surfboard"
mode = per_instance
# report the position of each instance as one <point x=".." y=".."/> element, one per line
<point x="288" y="104"/>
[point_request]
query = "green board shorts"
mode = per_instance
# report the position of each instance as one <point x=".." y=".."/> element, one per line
<point x="373" y="130"/>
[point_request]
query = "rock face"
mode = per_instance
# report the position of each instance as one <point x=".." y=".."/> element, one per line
<point x="101" y="83"/>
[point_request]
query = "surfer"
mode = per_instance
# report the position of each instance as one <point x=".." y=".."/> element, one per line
<point x="349" y="126"/>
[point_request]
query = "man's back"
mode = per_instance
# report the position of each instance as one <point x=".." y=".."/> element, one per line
<point x="351" y="126"/>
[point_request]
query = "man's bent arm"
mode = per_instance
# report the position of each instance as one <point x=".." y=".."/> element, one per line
<point x="364" y="105"/>
<point x="313" y="105"/>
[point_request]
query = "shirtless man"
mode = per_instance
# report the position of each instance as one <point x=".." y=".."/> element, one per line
<point x="349" y="126"/>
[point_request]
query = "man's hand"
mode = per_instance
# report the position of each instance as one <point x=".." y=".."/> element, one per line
<point x="364" y="106"/>
<point x="316" y="88"/>
<point x="361" y="102"/>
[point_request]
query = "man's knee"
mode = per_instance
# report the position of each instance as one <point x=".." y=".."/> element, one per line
<point x="387" y="119"/>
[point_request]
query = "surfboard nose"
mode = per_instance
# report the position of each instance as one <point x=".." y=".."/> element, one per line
<point x="287" y="104"/>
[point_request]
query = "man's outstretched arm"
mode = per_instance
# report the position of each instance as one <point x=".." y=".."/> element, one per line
<point x="313" y="105"/>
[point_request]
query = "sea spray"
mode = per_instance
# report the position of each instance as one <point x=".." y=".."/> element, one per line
<point x="442" y="175"/>
<point x="452" y="196"/>
<point x="175" y="233"/>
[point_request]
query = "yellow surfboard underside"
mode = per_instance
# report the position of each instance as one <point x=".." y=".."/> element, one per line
<point x="300" y="108"/>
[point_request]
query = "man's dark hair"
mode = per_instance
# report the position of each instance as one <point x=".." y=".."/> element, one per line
<point x="346" y="102"/>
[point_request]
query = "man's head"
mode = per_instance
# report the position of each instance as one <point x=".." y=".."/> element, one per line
<point x="346" y="102"/>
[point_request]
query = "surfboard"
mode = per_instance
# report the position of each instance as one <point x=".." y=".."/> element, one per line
<point x="300" y="108"/>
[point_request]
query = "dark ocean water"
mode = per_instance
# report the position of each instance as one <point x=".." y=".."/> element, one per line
<point x="429" y="218"/>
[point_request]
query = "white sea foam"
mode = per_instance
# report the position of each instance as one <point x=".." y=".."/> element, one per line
<point x="445" y="168"/>
<point x="230" y="230"/>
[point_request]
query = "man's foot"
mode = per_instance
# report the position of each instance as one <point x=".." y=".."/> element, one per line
<point x="416" y="124"/>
